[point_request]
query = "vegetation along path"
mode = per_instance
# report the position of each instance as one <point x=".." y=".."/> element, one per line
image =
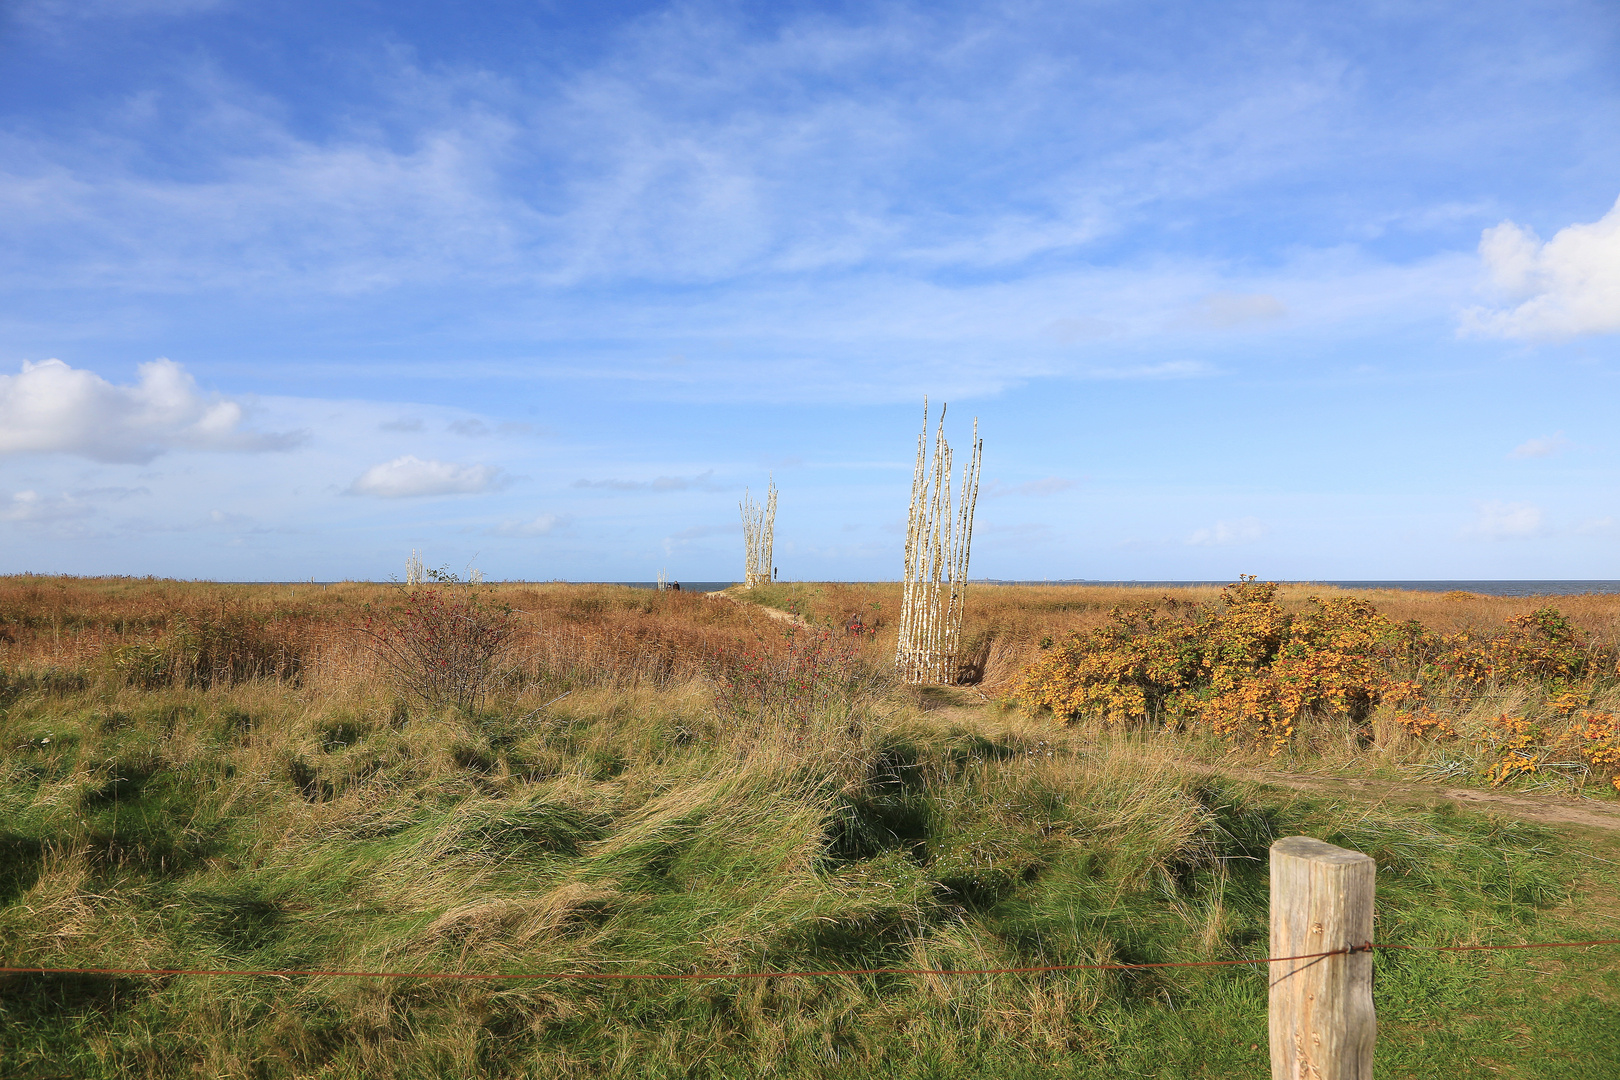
<point x="1548" y="809"/>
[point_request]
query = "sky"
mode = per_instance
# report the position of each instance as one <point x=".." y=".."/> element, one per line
<point x="1310" y="290"/>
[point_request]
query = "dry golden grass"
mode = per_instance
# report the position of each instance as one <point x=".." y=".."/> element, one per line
<point x="584" y="633"/>
<point x="640" y="823"/>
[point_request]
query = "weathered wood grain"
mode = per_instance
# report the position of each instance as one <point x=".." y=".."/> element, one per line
<point x="1322" y="1022"/>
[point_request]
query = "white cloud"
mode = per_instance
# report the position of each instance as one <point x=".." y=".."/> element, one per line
<point x="32" y="508"/>
<point x="410" y="476"/>
<point x="543" y="525"/>
<point x="50" y="407"/>
<point x="1504" y="521"/>
<point x="1568" y="286"/>
<point x="474" y="428"/>
<point x="1224" y="533"/>
<point x="1223" y="310"/>
<point x="699" y="532"/>
<point x="1169" y="369"/>
<point x="701" y="482"/>
<point x="1544" y="446"/>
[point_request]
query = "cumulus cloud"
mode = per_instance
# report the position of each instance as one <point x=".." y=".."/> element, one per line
<point x="1504" y="521"/>
<point x="1566" y="287"/>
<point x="540" y="526"/>
<point x="1223" y="533"/>
<point x="410" y="476"/>
<point x="1544" y="446"/>
<point x="50" y="407"/>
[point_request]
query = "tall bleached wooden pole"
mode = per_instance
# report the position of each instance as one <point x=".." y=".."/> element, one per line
<point x="759" y="534"/>
<point x="936" y="571"/>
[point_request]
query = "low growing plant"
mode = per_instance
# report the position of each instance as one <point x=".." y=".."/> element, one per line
<point x="441" y="645"/>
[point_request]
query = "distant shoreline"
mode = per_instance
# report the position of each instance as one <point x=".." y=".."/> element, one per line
<point x="1484" y="587"/>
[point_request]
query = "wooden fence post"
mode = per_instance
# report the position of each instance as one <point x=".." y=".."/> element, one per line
<point x="1322" y="1024"/>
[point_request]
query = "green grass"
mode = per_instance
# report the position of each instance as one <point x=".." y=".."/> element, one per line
<point x="273" y="827"/>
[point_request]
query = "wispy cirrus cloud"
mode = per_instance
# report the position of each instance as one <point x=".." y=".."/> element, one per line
<point x="544" y="525"/>
<point x="1542" y="446"/>
<point x="700" y="532"/>
<point x="32" y="508"/>
<point x="1497" y="520"/>
<point x="703" y="481"/>
<point x="1166" y="369"/>
<point x="1225" y="310"/>
<point x="1227" y="533"/>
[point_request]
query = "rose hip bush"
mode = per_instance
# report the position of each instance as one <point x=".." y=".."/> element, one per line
<point x="442" y="644"/>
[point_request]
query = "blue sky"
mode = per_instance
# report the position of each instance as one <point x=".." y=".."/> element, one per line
<point x="1305" y="290"/>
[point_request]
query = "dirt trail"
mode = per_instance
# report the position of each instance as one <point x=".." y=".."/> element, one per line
<point x="1559" y="809"/>
<point x="1552" y="809"/>
<point x="779" y="616"/>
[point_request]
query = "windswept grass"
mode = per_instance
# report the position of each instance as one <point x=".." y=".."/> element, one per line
<point x="678" y="812"/>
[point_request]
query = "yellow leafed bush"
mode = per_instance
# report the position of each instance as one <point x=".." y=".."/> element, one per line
<point x="1244" y="666"/>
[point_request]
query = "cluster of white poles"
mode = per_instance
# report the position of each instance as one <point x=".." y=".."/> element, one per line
<point x="936" y="573"/>
<point x="759" y="532"/>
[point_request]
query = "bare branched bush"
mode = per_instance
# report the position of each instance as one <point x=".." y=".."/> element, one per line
<point x="441" y="645"/>
<point x="811" y="672"/>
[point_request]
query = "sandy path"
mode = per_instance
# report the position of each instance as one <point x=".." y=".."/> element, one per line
<point x="1559" y="809"/>
<point x="1552" y="809"/>
<point x="779" y="616"/>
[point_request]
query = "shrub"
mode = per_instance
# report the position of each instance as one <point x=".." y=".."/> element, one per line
<point x="1599" y="733"/>
<point x="204" y="651"/>
<point x="441" y="645"/>
<point x="1244" y="666"/>
<point x="1542" y="646"/>
<point x="815" y="670"/>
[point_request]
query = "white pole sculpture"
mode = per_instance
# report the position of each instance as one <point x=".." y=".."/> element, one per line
<point x="937" y="544"/>
<point x="759" y="534"/>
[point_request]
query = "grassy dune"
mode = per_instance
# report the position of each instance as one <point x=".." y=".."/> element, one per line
<point x="199" y="776"/>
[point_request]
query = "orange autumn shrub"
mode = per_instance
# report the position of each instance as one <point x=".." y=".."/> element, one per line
<point x="1244" y="666"/>
<point x="1518" y="740"/>
<point x="1252" y="671"/>
<point x="1424" y="723"/>
<point x="1542" y="646"/>
<point x="1599" y="733"/>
